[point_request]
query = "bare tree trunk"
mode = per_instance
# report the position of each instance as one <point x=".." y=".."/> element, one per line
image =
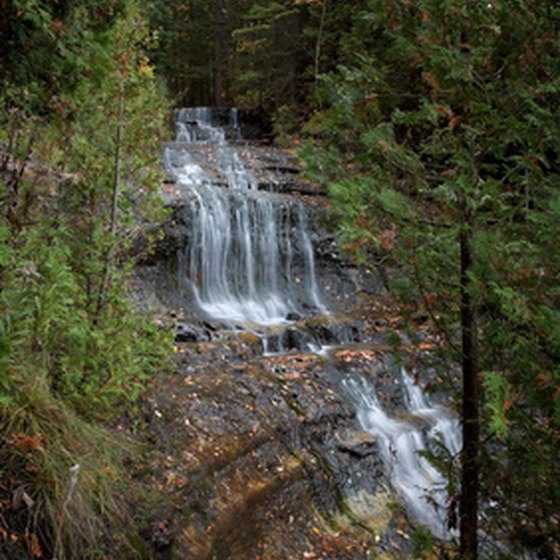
<point x="219" y="51"/>
<point x="118" y="163"/>
<point x="319" y="41"/>
<point x="469" y="454"/>
<point x="115" y="203"/>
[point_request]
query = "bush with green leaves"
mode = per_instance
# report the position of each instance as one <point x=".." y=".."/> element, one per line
<point x="79" y="182"/>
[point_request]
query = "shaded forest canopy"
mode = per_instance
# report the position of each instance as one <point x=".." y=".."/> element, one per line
<point x="247" y="54"/>
<point x="433" y="127"/>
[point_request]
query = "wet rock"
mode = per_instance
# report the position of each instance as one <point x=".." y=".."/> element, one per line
<point x="293" y="316"/>
<point x="251" y="344"/>
<point x="270" y="440"/>
<point x="329" y="332"/>
<point x="341" y="279"/>
<point x="210" y="326"/>
<point x="171" y="238"/>
<point x="185" y="332"/>
<point x="358" y="444"/>
<point x="291" y="339"/>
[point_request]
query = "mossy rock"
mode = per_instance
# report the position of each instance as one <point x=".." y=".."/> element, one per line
<point x="249" y="338"/>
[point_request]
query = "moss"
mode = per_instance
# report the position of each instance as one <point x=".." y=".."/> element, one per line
<point x="371" y="511"/>
<point x="249" y="338"/>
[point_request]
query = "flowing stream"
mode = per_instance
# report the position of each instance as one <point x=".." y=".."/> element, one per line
<point x="250" y="261"/>
<point x="250" y="257"/>
<point x="402" y="442"/>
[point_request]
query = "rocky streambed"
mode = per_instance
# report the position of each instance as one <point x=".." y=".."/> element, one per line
<point x="254" y="448"/>
<point x="263" y="457"/>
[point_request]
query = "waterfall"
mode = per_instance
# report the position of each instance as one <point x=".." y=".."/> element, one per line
<point x="401" y="442"/>
<point x="249" y="260"/>
<point x="249" y="256"/>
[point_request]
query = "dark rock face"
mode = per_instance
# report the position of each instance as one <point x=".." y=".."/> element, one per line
<point x="174" y="237"/>
<point x="290" y="339"/>
<point x="358" y="446"/>
<point x="292" y="316"/>
<point x="342" y="280"/>
<point x="186" y="332"/>
<point x="261" y="456"/>
<point x="256" y="453"/>
<point x="255" y="125"/>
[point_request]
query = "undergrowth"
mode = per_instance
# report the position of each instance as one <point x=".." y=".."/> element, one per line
<point x="79" y="179"/>
<point x="65" y="372"/>
<point x="61" y="474"/>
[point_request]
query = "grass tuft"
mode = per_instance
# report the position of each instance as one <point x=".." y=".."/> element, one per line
<point x="60" y="475"/>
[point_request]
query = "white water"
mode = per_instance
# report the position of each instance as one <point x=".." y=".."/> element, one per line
<point x="401" y="440"/>
<point x="250" y="260"/>
<point x="250" y="257"/>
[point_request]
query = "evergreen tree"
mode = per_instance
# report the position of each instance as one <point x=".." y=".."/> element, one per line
<point x="446" y="127"/>
<point x="83" y="118"/>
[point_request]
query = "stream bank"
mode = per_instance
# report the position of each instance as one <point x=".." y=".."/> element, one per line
<point x="254" y="456"/>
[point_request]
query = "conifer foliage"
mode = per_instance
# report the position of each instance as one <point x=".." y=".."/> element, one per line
<point x="446" y="125"/>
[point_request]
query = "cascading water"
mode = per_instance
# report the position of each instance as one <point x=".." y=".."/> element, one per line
<point x="250" y="256"/>
<point x="401" y="442"/>
<point x="249" y="260"/>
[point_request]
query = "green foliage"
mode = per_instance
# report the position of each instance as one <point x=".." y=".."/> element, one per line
<point x="446" y="110"/>
<point x="43" y="52"/>
<point x="499" y="401"/>
<point x="4" y="247"/>
<point x="184" y="49"/>
<point x="268" y="13"/>
<point x="51" y="338"/>
<point x="422" y="542"/>
<point x="65" y="310"/>
<point x="253" y="54"/>
<point x="73" y="350"/>
<point x="266" y="54"/>
<point x="285" y="123"/>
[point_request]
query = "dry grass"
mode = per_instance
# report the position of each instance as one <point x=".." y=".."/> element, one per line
<point x="61" y="473"/>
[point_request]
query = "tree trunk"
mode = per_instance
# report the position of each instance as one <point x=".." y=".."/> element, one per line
<point x="114" y="202"/>
<point x="219" y="50"/>
<point x="319" y="41"/>
<point x="469" y="454"/>
<point x="118" y="164"/>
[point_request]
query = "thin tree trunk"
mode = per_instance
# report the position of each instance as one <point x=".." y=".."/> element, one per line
<point x="219" y="24"/>
<point x="319" y="41"/>
<point x="469" y="454"/>
<point x="114" y="205"/>
<point x="118" y="160"/>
